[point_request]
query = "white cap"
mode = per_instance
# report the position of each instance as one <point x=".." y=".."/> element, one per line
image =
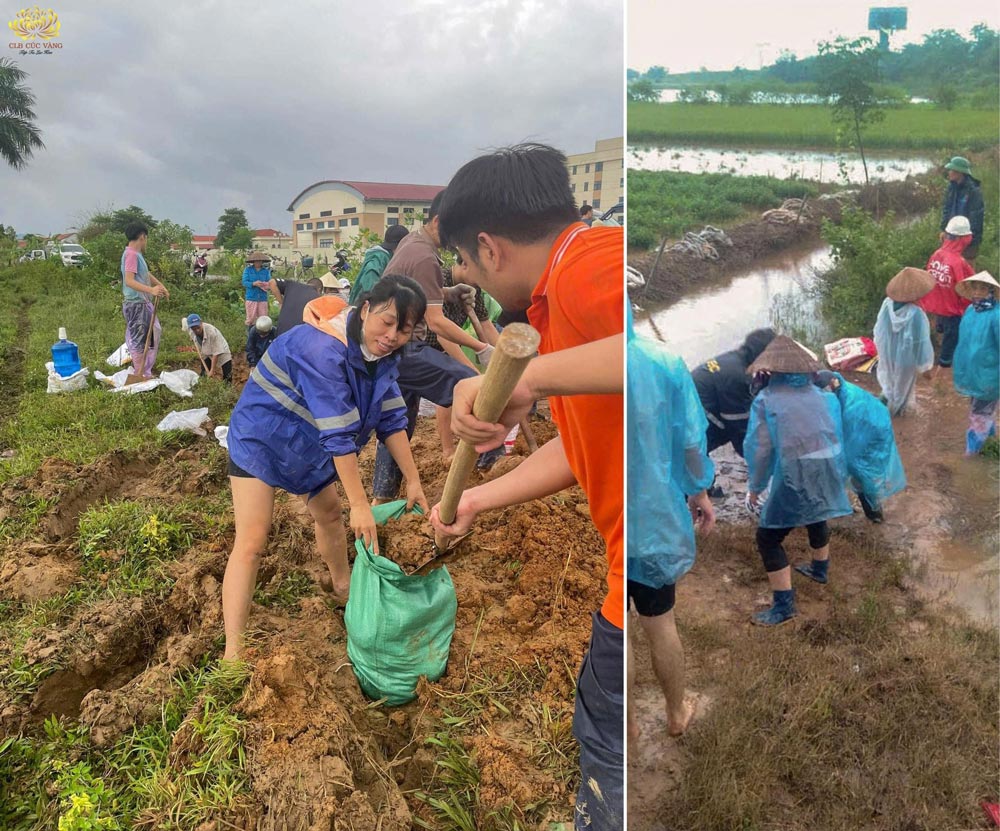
<point x="62" y="333"/>
<point x="958" y="226"/>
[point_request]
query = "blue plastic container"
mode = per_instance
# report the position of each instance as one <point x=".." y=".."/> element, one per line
<point x="65" y="356"/>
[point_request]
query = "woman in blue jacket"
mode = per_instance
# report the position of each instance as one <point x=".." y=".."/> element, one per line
<point x="309" y="406"/>
<point x="794" y="450"/>
<point x="256" y="279"/>
<point x="977" y="357"/>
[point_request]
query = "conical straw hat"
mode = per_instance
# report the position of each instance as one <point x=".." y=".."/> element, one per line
<point x="258" y="256"/>
<point x="982" y="277"/>
<point x="909" y="285"/>
<point x="784" y="355"/>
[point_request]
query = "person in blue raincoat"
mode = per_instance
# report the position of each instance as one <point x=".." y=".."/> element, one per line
<point x="309" y="406"/>
<point x="668" y="473"/>
<point x="977" y="358"/>
<point x="903" y="338"/>
<point x="873" y="462"/>
<point x="794" y="449"/>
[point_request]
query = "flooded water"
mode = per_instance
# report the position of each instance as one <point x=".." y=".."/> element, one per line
<point x="815" y="165"/>
<point x="775" y="292"/>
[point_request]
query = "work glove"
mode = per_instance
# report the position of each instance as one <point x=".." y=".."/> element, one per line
<point x="464" y="294"/>
<point x="484" y="355"/>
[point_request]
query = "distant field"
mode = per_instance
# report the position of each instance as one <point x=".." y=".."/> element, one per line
<point x="915" y="127"/>
<point x="662" y="203"/>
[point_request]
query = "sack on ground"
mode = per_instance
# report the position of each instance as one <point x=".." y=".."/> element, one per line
<point x="189" y="420"/>
<point x="399" y="627"/>
<point x="71" y="383"/>
<point x="848" y="353"/>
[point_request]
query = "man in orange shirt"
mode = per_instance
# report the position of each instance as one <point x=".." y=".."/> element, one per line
<point x="512" y="217"/>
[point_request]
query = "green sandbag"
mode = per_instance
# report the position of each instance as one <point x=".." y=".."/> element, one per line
<point x="399" y="627"/>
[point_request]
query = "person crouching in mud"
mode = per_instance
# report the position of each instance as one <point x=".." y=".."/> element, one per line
<point x="795" y="444"/>
<point x="310" y="405"/>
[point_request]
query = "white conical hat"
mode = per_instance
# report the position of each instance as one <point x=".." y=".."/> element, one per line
<point x="982" y="277"/>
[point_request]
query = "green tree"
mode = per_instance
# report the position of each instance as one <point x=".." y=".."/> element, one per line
<point x="945" y="96"/>
<point x="846" y="72"/>
<point x="239" y="239"/>
<point x="19" y="135"/>
<point x="657" y="74"/>
<point x="115" y="221"/>
<point x="231" y="219"/>
<point x="632" y="75"/>
<point x="643" y="90"/>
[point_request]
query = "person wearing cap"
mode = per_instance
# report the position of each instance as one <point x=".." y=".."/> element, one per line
<point x="795" y="451"/>
<point x="963" y="198"/>
<point x="375" y="260"/>
<point x="212" y="347"/>
<point x="260" y="339"/>
<point x="668" y="472"/>
<point x="903" y="338"/>
<point x="256" y="281"/>
<point x="977" y="358"/>
<point x="948" y="267"/>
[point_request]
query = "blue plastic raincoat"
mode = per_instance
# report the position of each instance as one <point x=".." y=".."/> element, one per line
<point x="977" y="356"/>
<point x="795" y="442"/>
<point x="903" y="340"/>
<point x="311" y="398"/>
<point x="667" y="462"/>
<point x="873" y="461"/>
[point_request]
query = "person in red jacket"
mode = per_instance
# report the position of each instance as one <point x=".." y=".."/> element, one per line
<point x="949" y="268"/>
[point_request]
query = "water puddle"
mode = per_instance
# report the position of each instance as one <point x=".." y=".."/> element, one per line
<point x="815" y="165"/>
<point x="776" y="292"/>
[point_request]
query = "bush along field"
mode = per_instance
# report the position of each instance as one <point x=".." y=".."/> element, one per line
<point x="115" y="712"/>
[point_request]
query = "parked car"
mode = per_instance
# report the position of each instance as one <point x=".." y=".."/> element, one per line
<point x="614" y="215"/>
<point x="37" y="254"/>
<point x="70" y="253"/>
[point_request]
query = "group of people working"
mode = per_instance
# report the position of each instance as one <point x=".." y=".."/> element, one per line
<point x="807" y="434"/>
<point x="340" y="370"/>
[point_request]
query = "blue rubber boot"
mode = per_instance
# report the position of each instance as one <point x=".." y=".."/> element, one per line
<point x="782" y="611"/>
<point x="816" y="570"/>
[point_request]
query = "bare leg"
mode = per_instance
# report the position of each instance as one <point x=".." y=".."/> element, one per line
<point x="443" y="418"/>
<point x="331" y="537"/>
<point x="668" y="664"/>
<point x="253" y="505"/>
<point x="781" y="580"/>
<point x="821" y="553"/>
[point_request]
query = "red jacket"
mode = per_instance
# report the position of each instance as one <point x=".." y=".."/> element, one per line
<point x="948" y="268"/>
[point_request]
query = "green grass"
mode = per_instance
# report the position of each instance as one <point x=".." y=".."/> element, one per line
<point x="914" y="127"/>
<point x="82" y="426"/>
<point x="664" y="203"/>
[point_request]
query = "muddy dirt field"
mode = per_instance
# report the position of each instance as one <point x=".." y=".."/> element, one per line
<point x="677" y="272"/>
<point x="321" y="756"/>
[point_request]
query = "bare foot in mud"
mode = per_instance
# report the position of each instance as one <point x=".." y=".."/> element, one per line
<point x="677" y="727"/>
<point x="340" y="591"/>
<point x="633" y="730"/>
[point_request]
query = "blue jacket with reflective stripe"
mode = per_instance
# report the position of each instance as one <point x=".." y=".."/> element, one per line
<point x="309" y="399"/>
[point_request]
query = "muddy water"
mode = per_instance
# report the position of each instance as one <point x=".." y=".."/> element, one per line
<point x="843" y="168"/>
<point x="775" y="292"/>
<point x="945" y="520"/>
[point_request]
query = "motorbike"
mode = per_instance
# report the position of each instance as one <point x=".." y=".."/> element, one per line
<point x="199" y="268"/>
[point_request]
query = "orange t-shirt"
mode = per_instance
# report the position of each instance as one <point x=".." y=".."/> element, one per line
<point x="580" y="299"/>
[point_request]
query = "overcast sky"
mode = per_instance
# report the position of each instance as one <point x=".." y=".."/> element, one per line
<point x="723" y="34"/>
<point x="188" y="108"/>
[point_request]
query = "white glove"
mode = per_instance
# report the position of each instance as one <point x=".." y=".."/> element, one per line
<point x="484" y="355"/>
<point x="753" y="508"/>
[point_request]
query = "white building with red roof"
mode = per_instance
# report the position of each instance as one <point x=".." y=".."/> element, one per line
<point x="330" y="213"/>
<point x="202" y="242"/>
<point x="270" y="238"/>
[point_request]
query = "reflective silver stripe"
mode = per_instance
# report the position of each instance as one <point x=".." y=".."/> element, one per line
<point x="393" y="403"/>
<point x="333" y="422"/>
<point x="281" y="397"/>
<point x="714" y="420"/>
<point x="272" y="367"/>
<point x="726" y="416"/>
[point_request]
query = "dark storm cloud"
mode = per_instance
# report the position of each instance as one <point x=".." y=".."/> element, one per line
<point x="186" y="109"/>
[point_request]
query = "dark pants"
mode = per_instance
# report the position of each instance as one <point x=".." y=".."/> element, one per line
<point x="773" y="554"/>
<point x="651" y="602"/>
<point x="424" y="372"/>
<point x="947" y="325"/>
<point x="227" y="371"/>
<point x="599" y="728"/>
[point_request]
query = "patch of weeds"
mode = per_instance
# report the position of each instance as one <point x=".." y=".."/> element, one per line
<point x="991" y="450"/>
<point x="286" y="592"/>
<point x="123" y="545"/>
<point x="24" y="519"/>
<point x="457" y="777"/>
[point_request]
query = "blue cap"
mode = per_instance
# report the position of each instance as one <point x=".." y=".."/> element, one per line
<point x="194" y="320"/>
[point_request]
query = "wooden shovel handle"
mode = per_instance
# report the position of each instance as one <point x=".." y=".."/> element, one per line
<point x="515" y="347"/>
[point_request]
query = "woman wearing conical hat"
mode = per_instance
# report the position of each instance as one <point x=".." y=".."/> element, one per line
<point x="903" y="338"/>
<point x="795" y="451"/>
<point x="977" y="357"/>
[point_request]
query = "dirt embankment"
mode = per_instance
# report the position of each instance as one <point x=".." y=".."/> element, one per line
<point x="320" y="755"/>
<point x="679" y="271"/>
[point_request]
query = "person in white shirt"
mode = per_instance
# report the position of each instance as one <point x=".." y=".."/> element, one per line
<point x="212" y="346"/>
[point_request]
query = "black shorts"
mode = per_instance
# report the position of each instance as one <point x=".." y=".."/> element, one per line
<point x="651" y="602"/>
<point x="239" y="473"/>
